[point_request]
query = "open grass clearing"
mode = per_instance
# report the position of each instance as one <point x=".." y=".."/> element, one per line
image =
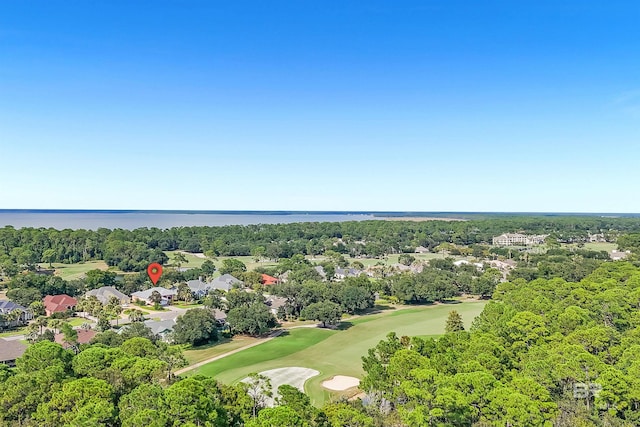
<point x="596" y="246"/>
<point x="192" y="260"/>
<point x="336" y="352"/>
<point x="249" y="261"/>
<point x="77" y="270"/>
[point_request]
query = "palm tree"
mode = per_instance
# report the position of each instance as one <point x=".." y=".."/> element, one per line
<point x="184" y="292"/>
<point x="15" y="317"/>
<point x="41" y="322"/>
<point x="116" y="311"/>
<point x="156" y="298"/>
<point x="32" y="333"/>
<point x="37" y="308"/>
<point x="55" y="324"/>
<point x="135" y="315"/>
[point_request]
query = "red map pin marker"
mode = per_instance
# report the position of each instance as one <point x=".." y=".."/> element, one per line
<point x="154" y="271"/>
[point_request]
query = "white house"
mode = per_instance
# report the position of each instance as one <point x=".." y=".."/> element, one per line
<point x="167" y="295"/>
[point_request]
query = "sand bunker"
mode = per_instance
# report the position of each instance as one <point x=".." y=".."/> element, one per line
<point x="340" y="383"/>
<point x="293" y="376"/>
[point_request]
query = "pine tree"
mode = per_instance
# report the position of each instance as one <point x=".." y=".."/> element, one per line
<point x="454" y="322"/>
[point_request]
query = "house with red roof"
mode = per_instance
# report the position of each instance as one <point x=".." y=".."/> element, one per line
<point x="265" y="279"/>
<point x="84" y="337"/>
<point x="59" y="304"/>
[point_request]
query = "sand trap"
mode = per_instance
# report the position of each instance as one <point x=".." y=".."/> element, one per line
<point x="195" y="254"/>
<point x="293" y="376"/>
<point x="340" y="383"/>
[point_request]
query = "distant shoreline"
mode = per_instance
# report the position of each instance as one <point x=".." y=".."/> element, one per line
<point x="431" y="215"/>
<point x="419" y="218"/>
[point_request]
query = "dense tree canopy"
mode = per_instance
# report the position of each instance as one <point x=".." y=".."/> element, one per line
<point x="527" y="361"/>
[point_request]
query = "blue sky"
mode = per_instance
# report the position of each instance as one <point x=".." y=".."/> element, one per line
<point x="320" y="105"/>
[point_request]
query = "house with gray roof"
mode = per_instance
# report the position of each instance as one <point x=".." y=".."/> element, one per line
<point x="220" y="316"/>
<point x="7" y="307"/>
<point x="224" y="283"/>
<point x="105" y="293"/>
<point x="199" y="288"/>
<point x="343" y="273"/>
<point x="321" y="272"/>
<point x="274" y="303"/>
<point x="161" y="328"/>
<point x="10" y="350"/>
<point x="167" y="295"/>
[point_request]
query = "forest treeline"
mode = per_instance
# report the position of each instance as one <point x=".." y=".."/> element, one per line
<point x="543" y="353"/>
<point x="132" y="250"/>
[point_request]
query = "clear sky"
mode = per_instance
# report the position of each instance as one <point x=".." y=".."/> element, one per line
<point x="320" y="105"/>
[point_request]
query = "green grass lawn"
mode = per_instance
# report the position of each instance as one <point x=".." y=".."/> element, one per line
<point x="249" y="261"/>
<point x="15" y="331"/>
<point x="75" y="271"/>
<point x="601" y="246"/>
<point x="183" y="304"/>
<point x="192" y="260"/>
<point x="336" y="352"/>
<point x="196" y="262"/>
<point x="388" y="260"/>
<point x="204" y="352"/>
<point x="77" y="321"/>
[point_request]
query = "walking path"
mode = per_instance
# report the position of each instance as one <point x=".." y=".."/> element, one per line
<point x="229" y="353"/>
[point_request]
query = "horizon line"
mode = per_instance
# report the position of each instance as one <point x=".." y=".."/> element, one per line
<point x="318" y="212"/>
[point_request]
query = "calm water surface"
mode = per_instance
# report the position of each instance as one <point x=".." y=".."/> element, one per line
<point x="132" y="220"/>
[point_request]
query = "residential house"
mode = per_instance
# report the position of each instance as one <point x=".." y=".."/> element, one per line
<point x="7" y="307"/>
<point x="598" y="237"/>
<point x="343" y="273"/>
<point x="421" y="250"/>
<point x="225" y="282"/>
<point x="161" y="328"/>
<point x="220" y="316"/>
<point x="199" y="288"/>
<point x="504" y="265"/>
<point x="10" y="350"/>
<point x="105" y="293"/>
<point x="321" y="272"/>
<point x="167" y="295"/>
<point x="477" y="265"/>
<point x="267" y="280"/>
<point x="59" y="304"/>
<point x="401" y="267"/>
<point x="275" y="303"/>
<point x="84" y="337"/>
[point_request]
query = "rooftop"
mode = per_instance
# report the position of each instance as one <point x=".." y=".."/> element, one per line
<point x="11" y="350"/>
